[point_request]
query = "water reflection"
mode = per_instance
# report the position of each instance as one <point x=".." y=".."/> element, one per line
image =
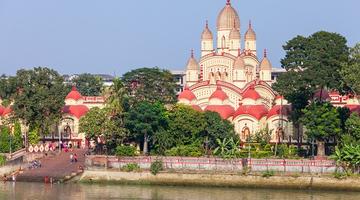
<point x="31" y="191"/>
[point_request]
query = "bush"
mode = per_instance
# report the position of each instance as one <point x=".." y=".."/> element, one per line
<point x="283" y="151"/>
<point x="33" y="137"/>
<point x="156" y="167"/>
<point x="5" y="140"/>
<point x="2" y="160"/>
<point x="130" y="167"/>
<point x="261" y="154"/>
<point x="268" y="173"/>
<point x="185" y="150"/>
<point x="125" y="150"/>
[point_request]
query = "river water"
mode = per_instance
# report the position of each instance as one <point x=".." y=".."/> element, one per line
<point x="39" y="191"/>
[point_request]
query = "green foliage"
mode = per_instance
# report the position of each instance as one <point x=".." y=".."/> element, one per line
<point x="33" y="136"/>
<point x="268" y="174"/>
<point x="352" y="126"/>
<point x="283" y="151"/>
<point x="150" y="84"/>
<point x="227" y="148"/>
<point x="321" y="121"/>
<point x="88" y="84"/>
<point x="130" y="167"/>
<point x="18" y="140"/>
<point x="2" y="160"/>
<point x="39" y="98"/>
<point x="7" y="89"/>
<point x="123" y="150"/>
<point x="144" y="120"/>
<point x="156" y="167"/>
<point x="340" y="175"/>
<point x="348" y="157"/>
<point x="262" y="136"/>
<point x="351" y="69"/>
<point x="5" y="139"/>
<point x="185" y="150"/>
<point x="260" y="154"/>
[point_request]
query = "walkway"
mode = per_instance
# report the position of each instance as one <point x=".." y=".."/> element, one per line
<point x="57" y="167"/>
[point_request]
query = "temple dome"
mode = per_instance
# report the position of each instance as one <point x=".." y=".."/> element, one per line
<point x="74" y="94"/>
<point x="250" y="33"/>
<point x="251" y="94"/>
<point x="265" y="63"/>
<point x="225" y="111"/>
<point x="207" y="34"/>
<point x="256" y="111"/>
<point x="239" y="63"/>
<point x="187" y="94"/>
<point x="192" y="64"/>
<point x="219" y="94"/>
<point x="227" y="17"/>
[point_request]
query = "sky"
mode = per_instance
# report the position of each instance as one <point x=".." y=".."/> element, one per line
<point x="115" y="36"/>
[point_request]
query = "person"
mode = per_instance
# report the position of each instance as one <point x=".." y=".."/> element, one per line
<point x="75" y="157"/>
<point x="71" y="158"/>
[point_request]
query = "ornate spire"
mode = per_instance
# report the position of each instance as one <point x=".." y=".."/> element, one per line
<point x="207" y="24"/>
<point x="265" y="53"/>
<point x="228" y="2"/>
<point x="192" y="53"/>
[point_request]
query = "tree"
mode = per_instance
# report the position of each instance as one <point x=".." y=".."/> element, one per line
<point x="39" y="98"/>
<point x="88" y="84"/>
<point x="33" y="136"/>
<point x="352" y="126"/>
<point x="322" y="122"/>
<point x="351" y="69"/>
<point x="150" y="84"/>
<point x="144" y="120"/>
<point x="18" y="140"/>
<point x="312" y="64"/>
<point x="5" y="139"/>
<point x="7" y="89"/>
<point x="217" y="128"/>
<point x="185" y="126"/>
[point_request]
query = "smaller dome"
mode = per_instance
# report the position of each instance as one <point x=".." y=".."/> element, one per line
<point x="225" y="111"/>
<point x="251" y="94"/>
<point x="76" y="110"/>
<point x="239" y="63"/>
<point x="257" y="111"/>
<point x="74" y="94"/>
<point x="187" y="94"/>
<point x="207" y="34"/>
<point x="192" y="64"/>
<point x="265" y="63"/>
<point x="226" y="18"/>
<point x="234" y="33"/>
<point x="219" y="94"/>
<point x="250" y="33"/>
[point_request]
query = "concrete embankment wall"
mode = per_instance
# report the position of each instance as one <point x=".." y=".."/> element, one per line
<point x="220" y="180"/>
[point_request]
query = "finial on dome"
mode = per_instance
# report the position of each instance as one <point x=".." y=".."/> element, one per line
<point x="192" y="53"/>
<point x="207" y="24"/>
<point x="250" y="25"/>
<point x="265" y="53"/>
<point x="228" y="2"/>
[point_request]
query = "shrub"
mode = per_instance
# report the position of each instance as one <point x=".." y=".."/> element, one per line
<point x="156" y="167"/>
<point x="283" y="151"/>
<point x="123" y="150"/>
<point x="33" y="137"/>
<point x="268" y="173"/>
<point x="2" y="160"/>
<point x="185" y="150"/>
<point x="130" y="167"/>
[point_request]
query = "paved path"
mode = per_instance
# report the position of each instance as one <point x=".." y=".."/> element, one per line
<point x="57" y="167"/>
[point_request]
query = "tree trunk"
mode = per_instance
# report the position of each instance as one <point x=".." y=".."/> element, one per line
<point x="145" y="147"/>
<point x="320" y="148"/>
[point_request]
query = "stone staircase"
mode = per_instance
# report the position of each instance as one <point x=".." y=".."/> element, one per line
<point x="58" y="167"/>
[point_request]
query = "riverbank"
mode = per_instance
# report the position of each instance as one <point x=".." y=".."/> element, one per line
<point x="221" y="180"/>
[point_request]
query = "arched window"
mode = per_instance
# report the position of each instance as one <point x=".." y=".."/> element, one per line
<point x="223" y="44"/>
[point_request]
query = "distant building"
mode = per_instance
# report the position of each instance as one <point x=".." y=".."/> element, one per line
<point x="107" y="79"/>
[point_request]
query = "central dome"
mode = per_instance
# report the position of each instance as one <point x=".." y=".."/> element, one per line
<point x="227" y="17"/>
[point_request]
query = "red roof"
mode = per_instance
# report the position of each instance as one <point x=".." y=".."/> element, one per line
<point x="76" y="110"/>
<point x="275" y="110"/>
<point x="197" y="108"/>
<point x="251" y="94"/>
<point x="225" y="111"/>
<point x="322" y="94"/>
<point x="219" y="94"/>
<point x="257" y="111"/>
<point x="1" y="110"/>
<point x="6" y="111"/>
<point x="187" y="94"/>
<point x="74" y="94"/>
<point x="279" y="97"/>
<point x="353" y="108"/>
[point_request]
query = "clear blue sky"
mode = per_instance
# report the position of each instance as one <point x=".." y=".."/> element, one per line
<point x="114" y="36"/>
